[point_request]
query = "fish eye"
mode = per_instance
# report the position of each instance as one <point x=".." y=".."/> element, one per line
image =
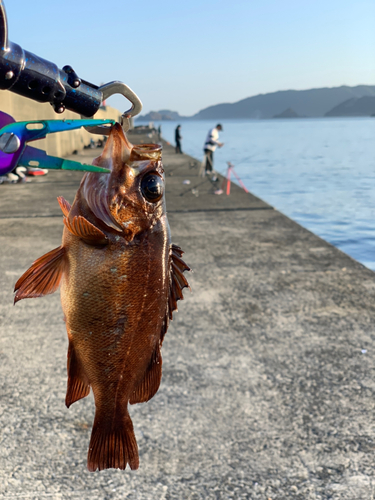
<point x="152" y="187"/>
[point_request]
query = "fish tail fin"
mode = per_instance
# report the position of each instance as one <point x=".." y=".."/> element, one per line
<point x="113" y="444"/>
<point x="78" y="384"/>
<point x="43" y="277"/>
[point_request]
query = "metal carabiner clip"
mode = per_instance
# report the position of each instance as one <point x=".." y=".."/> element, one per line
<point x="110" y="89"/>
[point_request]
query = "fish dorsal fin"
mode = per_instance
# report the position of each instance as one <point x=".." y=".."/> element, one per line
<point x="178" y="280"/>
<point x="177" y="283"/>
<point x="149" y="385"/>
<point x="64" y="205"/>
<point x="43" y="277"/>
<point x="82" y="228"/>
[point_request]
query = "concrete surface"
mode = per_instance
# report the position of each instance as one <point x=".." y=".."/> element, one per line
<point x="268" y="374"/>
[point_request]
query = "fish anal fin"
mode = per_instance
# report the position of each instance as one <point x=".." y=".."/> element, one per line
<point x="43" y="277"/>
<point x="113" y="444"/>
<point x="82" y="228"/>
<point x="150" y="383"/>
<point x="78" y="384"/>
<point x="64" y="205"/>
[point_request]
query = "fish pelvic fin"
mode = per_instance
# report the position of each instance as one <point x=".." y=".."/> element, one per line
<point x="149" y="385"/>
<point x="82" y="228"/>
<point x="64" y="205"/>
<point x="78" y="383"/>
<point x="113" y="444"/>
<point x="43" y="277"/>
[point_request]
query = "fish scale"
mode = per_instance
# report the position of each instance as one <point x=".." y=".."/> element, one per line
<point x="121" y="278"/>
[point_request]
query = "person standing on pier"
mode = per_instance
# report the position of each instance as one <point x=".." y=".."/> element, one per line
<point x="211" y="143"/>
<point x="178" y="138"/>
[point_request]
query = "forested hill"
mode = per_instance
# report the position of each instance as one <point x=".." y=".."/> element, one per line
<point x="356" y="106"/>
<point x="309" y="103"/>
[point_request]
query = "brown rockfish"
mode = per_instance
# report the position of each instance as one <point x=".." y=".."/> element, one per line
<point x="120" y="280"/>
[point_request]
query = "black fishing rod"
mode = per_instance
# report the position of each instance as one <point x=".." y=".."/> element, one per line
<point x="40" y="80"/>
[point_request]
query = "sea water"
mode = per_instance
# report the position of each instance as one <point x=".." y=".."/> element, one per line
<point x="319" y="172"/>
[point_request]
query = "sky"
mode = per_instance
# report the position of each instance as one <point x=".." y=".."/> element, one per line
<point x="185" y="56"/>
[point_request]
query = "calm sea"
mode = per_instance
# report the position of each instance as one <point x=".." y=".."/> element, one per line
<point x="319" y="172"/>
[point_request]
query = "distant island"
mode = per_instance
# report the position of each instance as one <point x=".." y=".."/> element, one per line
<point x="163" y="114"/>
<point x="288" y="113"/>
<point x="313" y="103"/>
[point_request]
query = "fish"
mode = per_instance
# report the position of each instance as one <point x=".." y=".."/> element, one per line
<point x="121" y="279"/>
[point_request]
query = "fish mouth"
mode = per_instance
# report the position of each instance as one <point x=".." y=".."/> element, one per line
<point x="119" y="151"/>
<point x="144" y="152"/>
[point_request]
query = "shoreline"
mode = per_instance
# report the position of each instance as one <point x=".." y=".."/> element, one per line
<point x="317" y="173"/>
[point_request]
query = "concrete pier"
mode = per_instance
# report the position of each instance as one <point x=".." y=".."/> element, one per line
<point x="268" y="367"/>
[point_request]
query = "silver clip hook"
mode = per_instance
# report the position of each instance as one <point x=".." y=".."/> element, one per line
<point x="110" y="89"/>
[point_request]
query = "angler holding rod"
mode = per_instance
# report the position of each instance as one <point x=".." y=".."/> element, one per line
<point x="210" y="145"/>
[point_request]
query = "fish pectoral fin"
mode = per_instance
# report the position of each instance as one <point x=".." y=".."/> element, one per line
<point x="43" y="277"/>
<point x="64" y="205"/>
<point x="78" y="383"/>
<point x="82" y="228"/>
<point x="113" y="444"/>
<point x="178" y="281"/>
<point x="150" y="383"/>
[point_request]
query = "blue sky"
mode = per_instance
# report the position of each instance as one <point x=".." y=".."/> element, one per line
<point x="185" y="56"/>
